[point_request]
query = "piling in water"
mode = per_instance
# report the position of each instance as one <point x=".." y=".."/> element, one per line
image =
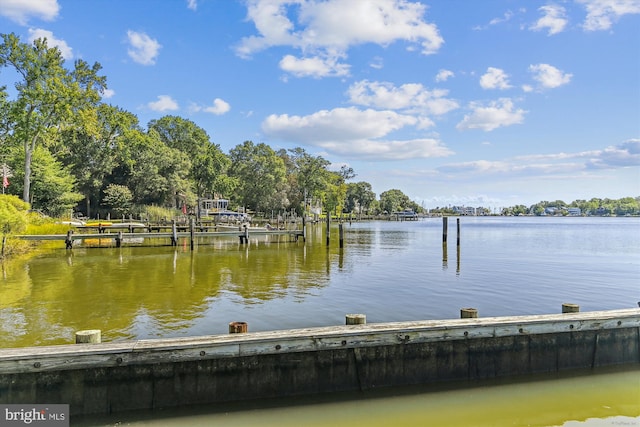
<point x="445" y="226"/>
<point x="89" y="336"/>
<point x="355" y="319"/>
<point x="238" y="327"/>
<point x="468" y="313"/>
<point x="570" y="308"/>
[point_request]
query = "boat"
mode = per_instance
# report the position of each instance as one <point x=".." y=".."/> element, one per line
<point x="98" y="223"/>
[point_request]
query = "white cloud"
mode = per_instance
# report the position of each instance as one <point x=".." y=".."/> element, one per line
<point x="623" y="155"/>
<point x="377" y="63"/>
<point x="549" y="76"/>
<point x="508" y="15"/>
<point x="410" y="97"/>
<point x="164" y="103"/>
<point x="21" y="10"/>
<point x="601" y="14"/>
<point x="554" y="19"/>
<point x="144" y="49"/>
<point x="313" y="66"/>
<point x="351" y="132"/>
<point x="192" y="4"/>
<point x="108" y="93"/>
<point x="444" y="75"/>
<point x="327" y="29"/>
<point x="218" y="108"/>
<point x="497" y="114"/>
<point x="63" y="47"/>
<point x="495" y="78"/>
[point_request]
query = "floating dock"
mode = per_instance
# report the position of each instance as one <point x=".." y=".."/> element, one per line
<point x="148" y="374"/>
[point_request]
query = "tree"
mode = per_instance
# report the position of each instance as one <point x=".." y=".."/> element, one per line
<point x="153" y="172"/>
<point x="307" y="175"/>
<point x="53" y="186"/>
<point x="208" y="163"/>
<point x="13" y="216"/>
<point x="335" y="193"/>
<point x="48" y="95"/>
<point x="118" y="198"/>
<point x="93" y="146"/>
<point x="359" y="197"/>
<point x="260" y="175"/>
<point x="394" y="200"/>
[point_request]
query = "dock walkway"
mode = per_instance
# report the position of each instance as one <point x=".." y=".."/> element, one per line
<point x="155" y="232"/>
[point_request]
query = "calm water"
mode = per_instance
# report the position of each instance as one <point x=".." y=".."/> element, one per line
<point x="389" y="271"/>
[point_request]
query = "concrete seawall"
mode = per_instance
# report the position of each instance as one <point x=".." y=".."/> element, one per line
<point x="144" y="374"/>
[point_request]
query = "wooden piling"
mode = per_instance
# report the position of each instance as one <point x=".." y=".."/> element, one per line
<point x="304" y="227"/>
<point x="191" y="236"/>
<point x="468" y="313"/>
<point x="341" y="234"/>
<point x="174" y="233"/>
<point x="238" y="327"/>
<point x="89" y="336"/>
<point x="458" y="231"/>
<point x="328" y="227"/>
<point x="355" y="319"/>
<point x="570" y="308"/>
<point x="69" y="240"/>
<point x="445" y="226"/>
<point x="119" y="239"/>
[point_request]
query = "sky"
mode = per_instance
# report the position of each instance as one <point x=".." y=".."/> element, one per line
<point x="487" y="103"/>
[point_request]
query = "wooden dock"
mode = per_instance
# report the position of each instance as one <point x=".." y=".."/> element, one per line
<point x="159" y="373"/>
<point x="171" y="238"/>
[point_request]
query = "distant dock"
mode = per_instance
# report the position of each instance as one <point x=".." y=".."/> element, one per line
<point x="120" y="234"/>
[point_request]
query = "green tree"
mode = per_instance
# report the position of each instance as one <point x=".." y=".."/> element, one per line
<point x="393" y="201"/>
<point x="119" y="198"/>
<point x="208" y="164"/>
<point x="307" y="176"/>
<point x="92" y="148"/>
<point x="260" y="175"/>
<point x="13" y="217"/>
<point x="335" y="193"/>
<point x="53" y="186"/>
<point x="359" y="197"/>
<point x="154" y="172"/>
<point x="47" y="94"/>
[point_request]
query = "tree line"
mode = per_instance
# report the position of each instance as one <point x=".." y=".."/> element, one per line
<point x="62" y="148"/>
<point x="594" y="206"/>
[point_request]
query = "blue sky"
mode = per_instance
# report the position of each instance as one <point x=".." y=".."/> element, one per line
<point x="478" y="103"/>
